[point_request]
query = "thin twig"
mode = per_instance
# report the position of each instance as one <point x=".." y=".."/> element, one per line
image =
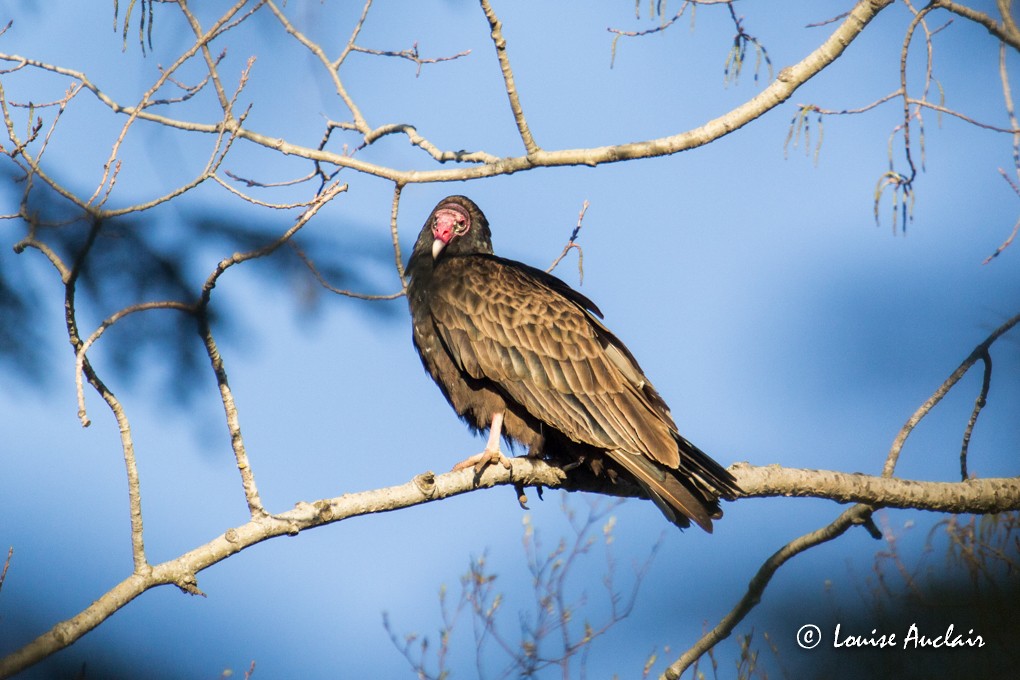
<point x="251" y="492"/>
<point x="349" y="47"/>
<point x="926" y="407"/>
<point x="411" y="55"/>
<point x="756" y="587"/>
<point x="7" y="562"/>
<point x="330" y="287"/>
<point x="496" y="29"/>
<point x="572" y="243"/>
<point x="79" y="361"/>
<point x="620" y="33"/>
<point x="332" y="69"/>
<point x="1007" y="94"/>
<point x="979" y="404"/>
<point x="398" y="259"/>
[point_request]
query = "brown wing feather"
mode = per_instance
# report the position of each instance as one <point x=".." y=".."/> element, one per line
<point x="505" y="325"/>
<point x="534" y="337"/>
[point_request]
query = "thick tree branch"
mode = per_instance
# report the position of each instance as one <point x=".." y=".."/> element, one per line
<point x="979" y="496"/>
<point x="974" y="495"/>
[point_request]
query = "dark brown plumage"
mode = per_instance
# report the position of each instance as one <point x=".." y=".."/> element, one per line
<point x="516" y="349"/>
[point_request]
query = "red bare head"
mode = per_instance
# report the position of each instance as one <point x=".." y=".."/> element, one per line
<point x="451" y="220"/>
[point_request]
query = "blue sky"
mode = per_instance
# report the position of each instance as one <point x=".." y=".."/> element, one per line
<point x="778" y="321"/>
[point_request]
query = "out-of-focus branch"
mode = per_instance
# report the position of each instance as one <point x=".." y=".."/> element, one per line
<point x="7" y="565"/>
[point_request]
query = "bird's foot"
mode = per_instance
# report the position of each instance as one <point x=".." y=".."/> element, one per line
<point x="522" y="497"/>
<point x="482" y="460"/>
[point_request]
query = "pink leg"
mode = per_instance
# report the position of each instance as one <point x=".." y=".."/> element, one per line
<point x="491" y="454"/>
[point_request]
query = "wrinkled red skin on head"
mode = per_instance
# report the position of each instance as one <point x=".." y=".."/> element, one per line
<point x="448" y="219"/>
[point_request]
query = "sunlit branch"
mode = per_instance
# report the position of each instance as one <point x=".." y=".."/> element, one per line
<point x="1006" y="32"/>
<point x="251" y="493"/>
<point x="496" y="31"/>
<point x="349" y="47"/>
<point x="572" y="245"/>
<point x="202" y="41"/>
<point x="981" y="495"/>
<point x="398" y="259"/>
<point x="123" y="425"/>
<point x="333" y="70"/>
<point x="777" y="92"/>
<point x="79" y="362"/>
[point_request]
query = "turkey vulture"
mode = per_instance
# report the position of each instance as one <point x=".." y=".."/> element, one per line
<point x="516" y="350"/>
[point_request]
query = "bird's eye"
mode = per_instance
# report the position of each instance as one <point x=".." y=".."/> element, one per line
<point x="461" y="227"/>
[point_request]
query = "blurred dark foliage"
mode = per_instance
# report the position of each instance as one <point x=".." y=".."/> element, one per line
<point x="166" y="254"/>
<point x="101" y="661"/>
<point x="967" y="576"/>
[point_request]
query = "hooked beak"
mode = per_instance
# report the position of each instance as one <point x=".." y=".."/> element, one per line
<point x="437" y="247"/>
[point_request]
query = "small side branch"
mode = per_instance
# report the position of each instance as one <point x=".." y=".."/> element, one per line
<point x="7" y="565"/>
<point x="572" y="243"/>
<point x="499" y="41"/>
<point x="979" y="352"/>
<point x="251" y="493"/>
<point x="858" y="514"/>
<point x="979" y="404"/>
<point x="411" y="55"/>
<point x="398" y="259"/>
<point x="1006" y="31"/>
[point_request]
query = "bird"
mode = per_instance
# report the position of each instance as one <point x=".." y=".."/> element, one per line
<point x="517" y="351"/>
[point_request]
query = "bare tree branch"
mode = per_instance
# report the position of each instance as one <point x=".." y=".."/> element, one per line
<point x="979" y="496"/>
<point x="855" y="515"/>
<point x="908" y="427"/>
<point x="1006" y="31"/>
<point x="496" y="31"/>
<point x="777" y="92"/>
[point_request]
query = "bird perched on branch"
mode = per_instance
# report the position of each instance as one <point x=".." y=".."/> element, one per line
<point x="518" y="351"/>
